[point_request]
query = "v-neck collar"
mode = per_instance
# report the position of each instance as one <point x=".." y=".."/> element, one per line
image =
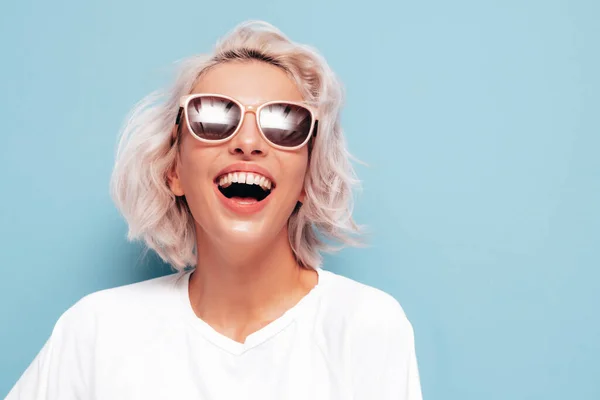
<point x="254" y="339"/>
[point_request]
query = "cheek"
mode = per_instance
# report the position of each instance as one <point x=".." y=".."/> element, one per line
<point x="195" y="174"/>
<point x="295" y="171"/>
<point x="195" y="164"/>
<point x="189" y="177"/>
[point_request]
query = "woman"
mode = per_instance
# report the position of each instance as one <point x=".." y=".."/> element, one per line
<point x="241" y="172"/>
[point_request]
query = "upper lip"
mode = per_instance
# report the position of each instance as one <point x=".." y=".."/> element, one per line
<point x="245" y="167"/>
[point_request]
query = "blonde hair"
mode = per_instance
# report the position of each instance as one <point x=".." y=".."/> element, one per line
<point x="146" y="152"/>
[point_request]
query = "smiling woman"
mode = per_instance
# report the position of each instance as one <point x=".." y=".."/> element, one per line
<point x="236" y="176"/>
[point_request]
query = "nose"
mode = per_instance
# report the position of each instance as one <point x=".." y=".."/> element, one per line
<point x="248" y="141"/>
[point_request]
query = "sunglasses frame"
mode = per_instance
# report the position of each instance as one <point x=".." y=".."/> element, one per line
<point x="250" y="108"/>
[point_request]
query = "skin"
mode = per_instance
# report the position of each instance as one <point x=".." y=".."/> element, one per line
<point x="246" y="274"/>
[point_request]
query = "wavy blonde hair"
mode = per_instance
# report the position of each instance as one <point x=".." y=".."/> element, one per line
<point x="146" y="152"/>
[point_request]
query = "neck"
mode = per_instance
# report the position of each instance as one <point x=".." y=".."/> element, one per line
<point x="241" y="290"/>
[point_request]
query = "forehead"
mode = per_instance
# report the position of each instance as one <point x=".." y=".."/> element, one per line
<point x="250" y="82"/>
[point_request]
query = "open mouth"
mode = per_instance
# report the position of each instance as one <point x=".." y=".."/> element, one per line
<point x="244" y="186"/>
<point x="244" y="191"/>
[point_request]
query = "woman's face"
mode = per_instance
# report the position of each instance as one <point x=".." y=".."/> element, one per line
<point x="241" y="220"/>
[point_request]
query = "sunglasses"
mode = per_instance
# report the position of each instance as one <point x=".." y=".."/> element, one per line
<point x="215" y="118"/>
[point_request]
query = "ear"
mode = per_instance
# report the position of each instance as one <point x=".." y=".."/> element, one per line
<point x="174" y="180"/>
<point x="173" y="177"/>
<point x="302" y="196"/>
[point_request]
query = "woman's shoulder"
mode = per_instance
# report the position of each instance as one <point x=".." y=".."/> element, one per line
<point x="155" y="290"/>
<point x="350" y="303"/>
<point x="125" y="302"/>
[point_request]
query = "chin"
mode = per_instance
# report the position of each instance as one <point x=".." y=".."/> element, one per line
<point x="248" y="232"/>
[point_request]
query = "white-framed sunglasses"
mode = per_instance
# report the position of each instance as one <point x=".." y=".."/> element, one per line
<point x="216" y="118"/>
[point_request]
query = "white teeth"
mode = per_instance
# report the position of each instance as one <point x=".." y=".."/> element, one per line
<point x="225" y="181"/>
<point x="245" y="177"/>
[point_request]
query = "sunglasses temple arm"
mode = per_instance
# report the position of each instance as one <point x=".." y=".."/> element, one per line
<point x="315" y="128"/>
<point x="178" y="119"/>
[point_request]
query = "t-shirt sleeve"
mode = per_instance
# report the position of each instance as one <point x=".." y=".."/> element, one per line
<point x="385" y="362"/>
<point x="61" y="368"/>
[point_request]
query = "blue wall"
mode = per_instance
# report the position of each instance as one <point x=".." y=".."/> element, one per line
<point x="480" y="124"/>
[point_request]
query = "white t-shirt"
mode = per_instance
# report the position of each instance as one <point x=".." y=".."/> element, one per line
<point x="343" y="340"/>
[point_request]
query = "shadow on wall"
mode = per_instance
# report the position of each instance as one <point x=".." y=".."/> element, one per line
<point x="129" y="262"/>
<point x="147" y="266"/>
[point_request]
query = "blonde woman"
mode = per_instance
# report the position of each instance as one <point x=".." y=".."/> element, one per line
<point x="236" y="176"/>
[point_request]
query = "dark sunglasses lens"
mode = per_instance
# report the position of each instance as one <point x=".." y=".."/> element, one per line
<point x="285" y="124"/>
<point x="213" y="117"/>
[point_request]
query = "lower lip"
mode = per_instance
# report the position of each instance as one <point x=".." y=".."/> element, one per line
<point x="242" y="207"/>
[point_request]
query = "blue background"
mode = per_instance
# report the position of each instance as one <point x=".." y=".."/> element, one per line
<point x="480" y="124"/>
